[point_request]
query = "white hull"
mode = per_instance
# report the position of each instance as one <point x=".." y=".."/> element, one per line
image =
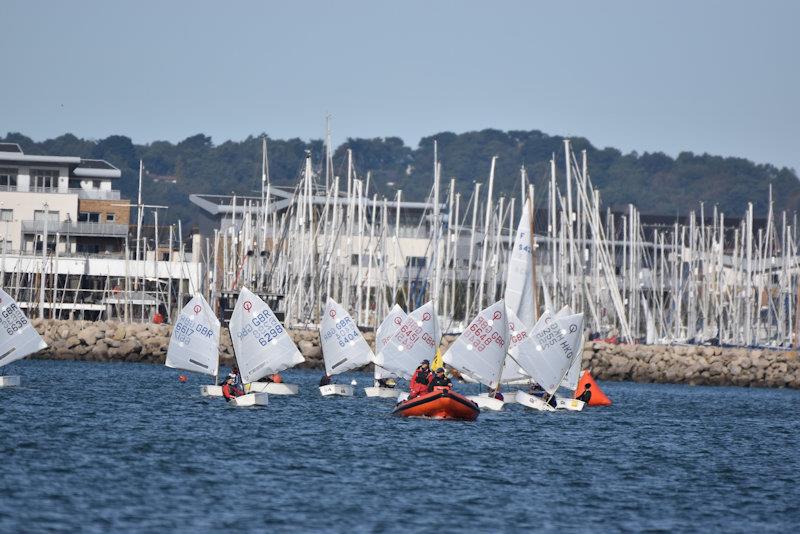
<point x="272" y="388"/>
<point x="211" y="391"/>
<point x="573" y="405"/>
<point x="7" y="381"/>
<point x="487" y="403"/>
<point x="384" y="393"/>
<point x="250" y="399"/>
<point x="402" y="396"/>
<point x="342" y="390"/>
<point x="531" y="401"/>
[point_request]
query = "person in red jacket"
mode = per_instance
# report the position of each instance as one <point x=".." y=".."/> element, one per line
<point x="230" y="389"/>
<point x="420" y="380"/>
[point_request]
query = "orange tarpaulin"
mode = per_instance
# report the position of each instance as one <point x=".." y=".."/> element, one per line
<point x="598" y="397"/>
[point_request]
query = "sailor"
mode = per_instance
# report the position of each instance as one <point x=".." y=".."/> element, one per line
<point x="538" y="391"/>
<point x="586" y="395"/>
<point x="386" y="383"/>
<point x="325" y="380"/>
<point x="231" y="389"/>
<point x="420" y="380"/>
<point x="440" y="380"/>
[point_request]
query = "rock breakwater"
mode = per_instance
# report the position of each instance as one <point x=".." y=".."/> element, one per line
<point x="147" y="343"/>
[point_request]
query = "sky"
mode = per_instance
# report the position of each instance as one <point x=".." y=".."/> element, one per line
<point x="721" y="77"/>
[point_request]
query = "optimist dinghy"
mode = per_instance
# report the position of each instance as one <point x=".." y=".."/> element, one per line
<point x="387" y="328"/>
<point x="194" y="343"/>
<point x="343" y="347"/>
<point x="260" y="343"/>
<point x="416" y="339"/>
<point x="441" y="403"/>
<point x="480" y="352"/>
<point x="18" y="338"/>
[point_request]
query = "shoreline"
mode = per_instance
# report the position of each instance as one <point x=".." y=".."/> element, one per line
<point x="106" y="341"/>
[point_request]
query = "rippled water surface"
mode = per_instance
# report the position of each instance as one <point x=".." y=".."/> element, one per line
<point x="120" y="447"/>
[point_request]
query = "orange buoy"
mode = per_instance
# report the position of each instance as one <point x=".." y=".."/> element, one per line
<point x="598" y="397"/>
<point x="277" y="378"/>
<point x="183" y="378"/>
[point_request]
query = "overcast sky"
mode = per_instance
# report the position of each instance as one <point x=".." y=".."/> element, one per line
<point x="707" y="76"/>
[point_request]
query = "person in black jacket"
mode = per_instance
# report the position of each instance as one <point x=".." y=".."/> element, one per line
<point x="440" y="380"/>
<point x="586" y="395"/>
<point x="325" y="380"/>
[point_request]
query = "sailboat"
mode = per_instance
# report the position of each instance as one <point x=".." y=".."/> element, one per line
<point x="480" y="352"/>
<point x="194" y="344"/>
<point x="385" y="331"/>
<point x="343" y="347"/>
<point x="18" y="338"/>
<point x="549" y="354"/>
<point x="260" y="343"/>
<point x="416" y="339"/>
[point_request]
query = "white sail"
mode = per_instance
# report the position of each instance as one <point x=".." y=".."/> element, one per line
<point x="519" y="281"/>
<point x="18" y="338"/>
<point x="481" y="349"/>
<point x="387" y="328"/>
<point x="551" y="354"/>
<point x="574" y="374"/>
<point x="194" y="344"/>
<point x="415" y="340"/>
<point x="343" y="346"/>
<point x="517" y="337"/>
<point x="261" y="343"/>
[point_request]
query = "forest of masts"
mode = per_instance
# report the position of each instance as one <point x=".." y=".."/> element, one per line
<point x="703" y="281"/>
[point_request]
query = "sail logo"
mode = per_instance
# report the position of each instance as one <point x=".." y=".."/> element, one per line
<point x="397" y="321"/>
<point x="426" y="316"/>
<point x="247" y="306"/>
<point x="197" y="309"/>
<point x="497" y="315"/>
<point x="332" y="313"/>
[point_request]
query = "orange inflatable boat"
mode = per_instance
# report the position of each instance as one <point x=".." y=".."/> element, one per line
<point x="442" y="403"/>
<point x="598" y="397"/>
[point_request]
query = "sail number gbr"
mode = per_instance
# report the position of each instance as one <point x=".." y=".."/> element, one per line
<point x="481" y="334"/>
<point x="265" y="327"/>
<point x="12" y="319"/>
<point x="185" y="327"/>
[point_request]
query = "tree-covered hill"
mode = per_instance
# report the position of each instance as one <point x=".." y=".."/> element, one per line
<point x="655" y="182"/>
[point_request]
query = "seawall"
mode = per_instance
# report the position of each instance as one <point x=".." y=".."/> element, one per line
<point x="147" y="343"/>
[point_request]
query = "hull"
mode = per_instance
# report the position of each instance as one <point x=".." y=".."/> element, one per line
<point x="341" y="390"/>
<point x="573" y="405"/>
<point x="384" y="393"/>
<point x="487" y="403"/>
<point x="273" y="388"/>
<point x="8" y="381"/>
<point x="531" y="401"/>
<point x="250" y="399"/>
<point x="442" y="404"/>
<point x="211" y="391"/>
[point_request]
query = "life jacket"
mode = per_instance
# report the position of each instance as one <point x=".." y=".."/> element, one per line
<point x="440" y="382"/>
<point x="230" y="391"/>
<point x="422" y="377"/>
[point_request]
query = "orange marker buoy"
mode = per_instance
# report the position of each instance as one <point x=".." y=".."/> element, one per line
<point x="183" y="378"/>
<point x="277" y="378"/>
<point x="598" y="397"/>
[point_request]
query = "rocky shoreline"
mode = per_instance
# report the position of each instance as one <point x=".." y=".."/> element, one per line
<point x="106" y="341"/>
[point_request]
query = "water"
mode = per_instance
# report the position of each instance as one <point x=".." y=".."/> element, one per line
<point x="122" y="447"/>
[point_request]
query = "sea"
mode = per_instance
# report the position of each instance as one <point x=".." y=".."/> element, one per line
<point x="125" y="447"/>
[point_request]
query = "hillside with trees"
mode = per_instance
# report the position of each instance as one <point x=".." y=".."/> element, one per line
<point x="655" y="182"/>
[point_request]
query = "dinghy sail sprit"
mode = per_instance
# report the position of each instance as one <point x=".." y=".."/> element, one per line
<point x="18" y="338"/>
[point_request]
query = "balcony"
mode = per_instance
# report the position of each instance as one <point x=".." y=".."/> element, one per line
<point x="95" y="194"/>
<point x="83" y="194"/>
<point x="76" y="228"/>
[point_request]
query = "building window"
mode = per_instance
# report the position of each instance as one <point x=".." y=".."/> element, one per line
<point x="88" y="216"/>
<point x="44" y="180"/>
<point x="416" y="261"/>
<point x="6" y="215"/>
<point x="6" y="245"/>
<point x="8" y="179"/>
<point x="111" y="217"/>
<point x="52" y="216"/>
